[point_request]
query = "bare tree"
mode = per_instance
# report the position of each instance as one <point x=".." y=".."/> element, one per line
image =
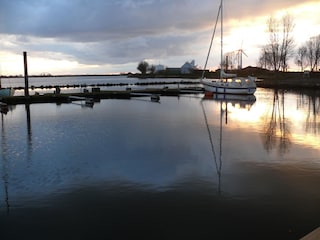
<point x="301" y="58"/>
<point x="273" y="48"/>
<point x="313" y="52"/>
<point x="317" y="51"/>
<point x="286" y="47"/>
<point x="280" y="47"/>
<point x="265" y="59"/>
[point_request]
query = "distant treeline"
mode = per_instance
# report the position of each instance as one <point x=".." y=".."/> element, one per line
<point x="257" y="72"/>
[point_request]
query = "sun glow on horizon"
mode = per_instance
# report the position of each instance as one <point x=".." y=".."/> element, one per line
<point x="250" y="34"/>
<point x="12" y="64"/>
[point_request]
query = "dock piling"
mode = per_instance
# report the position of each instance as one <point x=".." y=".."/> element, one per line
<point x="26" y="80"/>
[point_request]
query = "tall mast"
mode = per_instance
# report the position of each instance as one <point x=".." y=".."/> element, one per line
<point x="221" y="14"/>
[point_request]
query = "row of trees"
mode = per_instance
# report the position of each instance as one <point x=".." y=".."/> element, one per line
<point x="308" y="55"/>
<point x="277" y="52"/>
<point x="281" y="47"/>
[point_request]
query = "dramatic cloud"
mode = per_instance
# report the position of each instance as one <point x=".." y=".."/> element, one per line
<point x="88" y="20"/>
<point x="119" y="31"/>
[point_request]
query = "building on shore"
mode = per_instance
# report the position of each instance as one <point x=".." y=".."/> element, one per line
<point x="159" y="68"/>
<point x="188" y="67"/>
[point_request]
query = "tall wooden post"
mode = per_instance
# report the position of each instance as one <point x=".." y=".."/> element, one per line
<point x="26" y="80"/>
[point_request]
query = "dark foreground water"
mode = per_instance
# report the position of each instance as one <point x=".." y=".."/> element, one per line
<point x="184" y="168"/>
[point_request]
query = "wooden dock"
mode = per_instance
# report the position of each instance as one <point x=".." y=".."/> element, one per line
<point x="97" y="95"/>
<point x="314" y="235"/>
<point x="88" y="101"/>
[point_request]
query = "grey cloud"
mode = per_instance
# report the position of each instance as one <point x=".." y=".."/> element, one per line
<point x="134" y="49"/>
<point x="98" y="32"/>
<point x="83" y="20"/>
<point x="113" y="51"/>
<point x="95" y="20"/>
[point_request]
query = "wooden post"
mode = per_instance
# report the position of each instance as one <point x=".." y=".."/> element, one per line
<point x="26" y="80"/>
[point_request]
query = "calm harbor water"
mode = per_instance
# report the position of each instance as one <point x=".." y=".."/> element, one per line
<point x="185" y="168"/>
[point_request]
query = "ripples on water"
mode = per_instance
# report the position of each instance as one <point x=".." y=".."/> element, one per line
<point x="185" y="168"/>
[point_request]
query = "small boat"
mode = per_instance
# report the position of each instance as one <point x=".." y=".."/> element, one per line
<point x="228" y="83"/>
<point x="6" y="92"/>
<point x="155" y="98"/>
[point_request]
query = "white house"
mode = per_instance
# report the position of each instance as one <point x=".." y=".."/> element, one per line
<point x="188" y="67"/>
<point x="159" y="68"/>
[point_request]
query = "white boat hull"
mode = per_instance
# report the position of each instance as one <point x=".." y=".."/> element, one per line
<point x="6" y="92"/>
<point x="228" y="88"/>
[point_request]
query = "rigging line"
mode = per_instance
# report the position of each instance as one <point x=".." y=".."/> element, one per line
<point x="212" y="37"/>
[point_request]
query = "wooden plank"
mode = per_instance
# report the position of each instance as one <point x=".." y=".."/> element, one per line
<point x="77" y="98"/>
<point x="314" y="235"/>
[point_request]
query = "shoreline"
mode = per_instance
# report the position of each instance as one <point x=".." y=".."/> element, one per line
<point x="310" y="83"/>
<point x="265" y="78"/>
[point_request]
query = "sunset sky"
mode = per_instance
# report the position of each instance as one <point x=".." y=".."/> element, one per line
<point x="98" y="36"/>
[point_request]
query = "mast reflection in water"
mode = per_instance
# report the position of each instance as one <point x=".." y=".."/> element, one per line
<point x="187" y="168"/>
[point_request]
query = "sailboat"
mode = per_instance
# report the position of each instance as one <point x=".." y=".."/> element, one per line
<point x="228" y="83"/>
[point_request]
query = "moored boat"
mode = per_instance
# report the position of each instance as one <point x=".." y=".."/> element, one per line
<point x="6" y="92"/>
<point x="233" y="85"/>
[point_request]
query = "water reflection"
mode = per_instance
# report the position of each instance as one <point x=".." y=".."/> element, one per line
<point x="218" y="162"/>
<point x="239" y="101"/>
<point x="4" y="163"/>
<point x="6" y="149"/>
<point x="126" y="166"/>
<point x="291" y="118"/>
<point x="277" y="130"/>
<point x="29" y="133"/>
<point x="312" y="103"/>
